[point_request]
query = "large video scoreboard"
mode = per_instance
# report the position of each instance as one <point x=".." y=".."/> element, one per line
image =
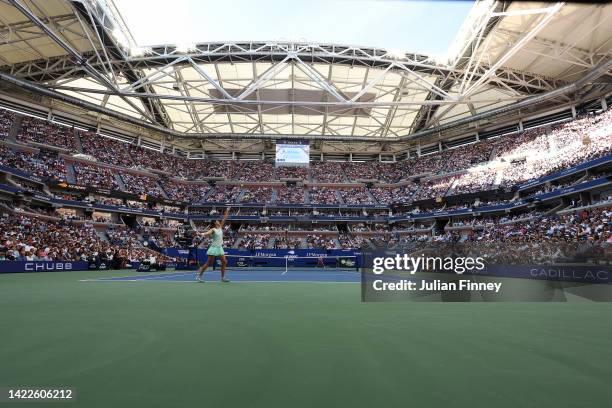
<point x="292" y="154"/>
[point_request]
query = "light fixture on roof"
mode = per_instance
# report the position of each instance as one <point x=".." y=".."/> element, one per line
<point x="140" y="51"/>
<point x="186" y="48"/>
<point x="397" y="54"/>
<point x="121" y="37"/>
<point x="441" y="59"/>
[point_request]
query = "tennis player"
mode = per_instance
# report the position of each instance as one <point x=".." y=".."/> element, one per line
<point x="215" y="250"/>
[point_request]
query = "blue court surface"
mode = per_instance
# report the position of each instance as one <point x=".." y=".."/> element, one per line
<point x="247" y="275"/>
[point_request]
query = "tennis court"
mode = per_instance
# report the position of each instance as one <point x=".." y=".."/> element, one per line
<point x="296" y="343"/>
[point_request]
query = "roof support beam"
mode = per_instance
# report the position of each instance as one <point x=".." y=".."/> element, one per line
<point x="550" y="13"/>
<point x="80" y="61"/>
<point x="591" y="76"/>
<point x="320" y="80"/>
<point x="208" y="78"/>
<point x="267" y="75"/>
<point x="237" y="102"/>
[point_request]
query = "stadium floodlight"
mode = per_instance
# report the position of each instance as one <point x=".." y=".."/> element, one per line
<point x="398" y="54"/>
<point x="121" y="37"/>
<point x="439" y="59"/>
<point x="140" y="51"/>
<point x="186" y="48"/>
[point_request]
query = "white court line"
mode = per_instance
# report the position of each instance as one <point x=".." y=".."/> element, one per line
<point x="166" y="276"/>
<point x="215" y="281"/>
<point x="144" y="277"/>
<point x="163" y="276"/>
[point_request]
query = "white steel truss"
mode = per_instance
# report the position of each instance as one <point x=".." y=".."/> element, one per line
<point x="277" y="88"/>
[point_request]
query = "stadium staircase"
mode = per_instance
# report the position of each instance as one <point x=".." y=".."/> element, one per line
<point x="70" y="173"/>
<point x="417" y="191"/>
<point x="274" y="196"/>
<point x="493" y="153"/>
<point x="240" y="195"/>
<point x="120" y="181"/>
<point x="164" y="192"/>
<point x="338" y="196"/>
<point x="161" y="186"/>
<point x="237" y="243"/>
<point x="77" y="141"/>
<point x="337" y="242"/>
<point x="11" y="182"/>
<point x="581" y="179"/>
<point x="271" y="243"/>
<point x="498" y="177"/>
<point x="370" y="243"/>
<point x="450" y="190"/>
<point x="556" y="209"/>
<point x="47" y="191"/>
<point x="306" y="196"/>
<point x="303" y="243"/>
<point x="205" y="196"/>
<point x="15" y="128"/>
<point x="374" y="200"/>
<point x="101" y="234"/>
<point x="153" y="246"/>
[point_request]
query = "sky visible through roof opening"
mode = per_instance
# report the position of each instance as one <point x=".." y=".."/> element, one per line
<point x="426" y="27"/>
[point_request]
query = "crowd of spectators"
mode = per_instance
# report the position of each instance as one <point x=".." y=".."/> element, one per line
<point x="322" y="195"/>
<point x="95" y="176"/>
<point x="481" y="179"/>
<point x="356" y="196"/>
<point x="327" y="172"/>
<point x="563" y="146"/>
<point x="345" y="242"/>
<point x="139" y="184"/>
<point x="314" y="241"/>
<point x="45" y="164"/>
<point x="257" y="195"/>
<point x="391" y="195"/>
<point x="265" y="227"/>
<point x="519" y="157"/>
<point x="160" y="240"/>
<point x="190" y="193"/>
<point x="167" y="162"/>
<point x="224" y="194"/>
<point x="220" y="168"/>
<point x="253" y="170"/>
<point x="254" y="241"/>
<point x="39" y="131"/>
<point x="27" y="238"/>
<point x="105" y="200"/>
<point x="588" y="225"/>
<point x="286" y="242"/>
<point x="6" y="121"/>
<point x="122" y="236"/>
<point x="290" y="195"/>
<point x="291" y="173"/>
<point x="434" y="188"/>
<point x="106" y="150"/>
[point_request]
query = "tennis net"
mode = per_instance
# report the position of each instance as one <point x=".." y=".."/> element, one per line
<point x="289" y="262"/>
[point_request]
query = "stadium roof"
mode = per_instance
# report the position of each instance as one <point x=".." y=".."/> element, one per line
<point x="505" y="52"/>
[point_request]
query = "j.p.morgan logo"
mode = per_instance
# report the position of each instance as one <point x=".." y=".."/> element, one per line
<point x="48" y="266"/>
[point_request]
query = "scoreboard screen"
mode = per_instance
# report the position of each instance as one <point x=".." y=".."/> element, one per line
<point x="292" y="154"/>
